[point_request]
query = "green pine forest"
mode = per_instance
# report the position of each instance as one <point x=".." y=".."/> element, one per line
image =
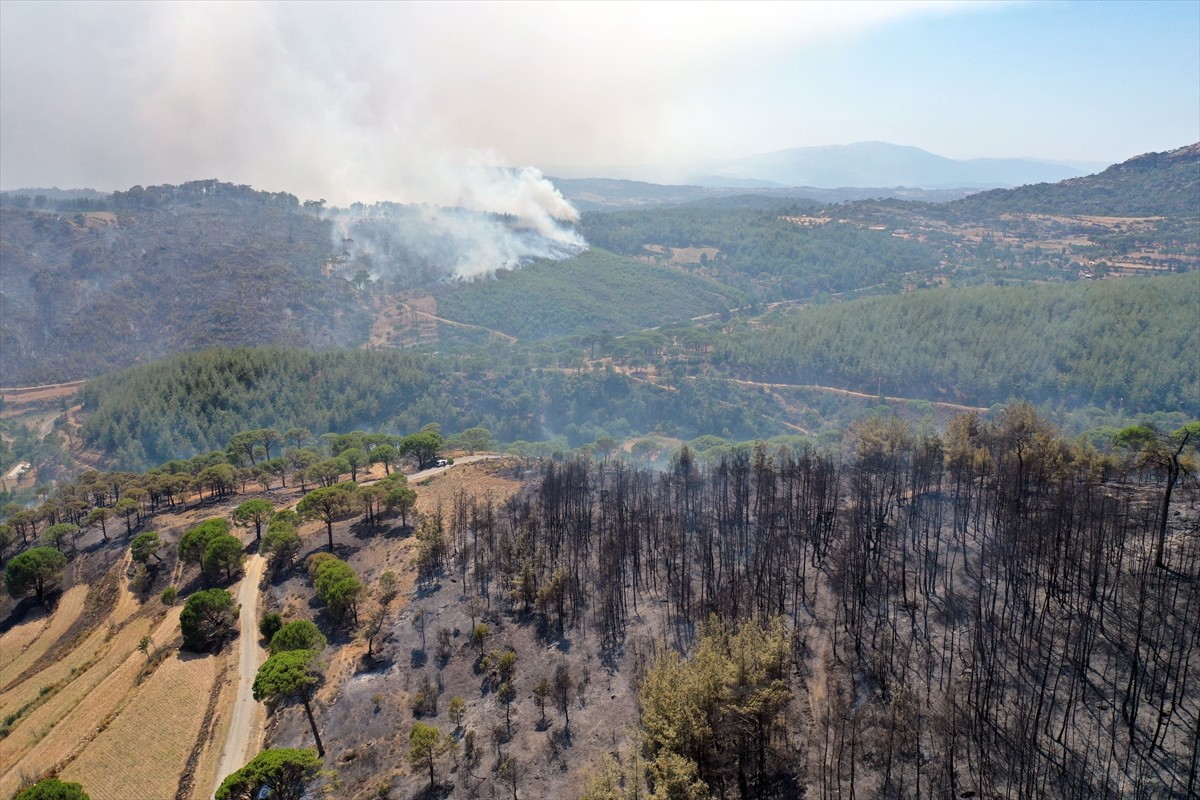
<point x="1128" y="347"/>
<point x="594" y="291"/>
<point x="735" y="319"/>
<point x="1129" y="344"/>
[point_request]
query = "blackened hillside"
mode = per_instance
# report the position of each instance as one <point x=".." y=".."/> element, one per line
<point x="161" y="270"/>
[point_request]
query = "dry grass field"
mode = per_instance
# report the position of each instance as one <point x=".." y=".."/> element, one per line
<point x="78" y="698"/>
<point x="31" y="640"/>
<point x="17" y="640"/>
<point x="63" y="728"/>
<point x="480" y="479"/>
<point x="141" y="753"/>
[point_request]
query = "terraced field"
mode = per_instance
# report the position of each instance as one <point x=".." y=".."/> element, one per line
<point x="142" y="752"/>
<point x="29" y="641"/>
<point x="103" y="697"/>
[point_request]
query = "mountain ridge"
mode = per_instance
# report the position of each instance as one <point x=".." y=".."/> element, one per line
<point x="863" y="164"/>
<point x="860" y="165"/>
<point x="1150" y="184"/>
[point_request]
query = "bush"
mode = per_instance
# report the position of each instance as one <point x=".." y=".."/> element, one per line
<point x="53" y="789"/>
<point x="39" y="569"/>
<point x="206" y="619"/>
<point x="300" y="634"/>
<point x="270" y="623"/>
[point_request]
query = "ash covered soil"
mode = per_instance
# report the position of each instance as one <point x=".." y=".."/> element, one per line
<point x="364" y="707"/>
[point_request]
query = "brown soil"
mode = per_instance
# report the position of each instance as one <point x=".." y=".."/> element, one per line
<point x="22" y="396"/>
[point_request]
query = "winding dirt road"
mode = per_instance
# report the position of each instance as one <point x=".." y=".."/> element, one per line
<point x="248" y="713"/>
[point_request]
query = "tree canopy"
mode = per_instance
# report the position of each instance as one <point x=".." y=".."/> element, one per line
<point x="207" y="617"/>
<point x="194" y="543"/>
<point x="284" y="771"/>
<point x="53" y="789"/>
<point x="287" y="675"/>
<point x="38" y="569"/>
<point x="328" y="504"/>
<point x="254" y="513"/>
<point x="300" y="634"/>
<point x="338" y="586"/>
<point x="425" y="744"/>
<point x="223" y="553"/>
<point x="144" y="546"/>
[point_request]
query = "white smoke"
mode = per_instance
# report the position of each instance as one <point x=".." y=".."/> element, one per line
<point x="490" y="219"/>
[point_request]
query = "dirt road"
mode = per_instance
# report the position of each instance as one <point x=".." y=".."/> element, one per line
<point x="499" y="334"/>
<point x="248" y="714"/>
<point x="245" y="728"/>
<point x="863" y="395"/>
<point x="429" y="473"/>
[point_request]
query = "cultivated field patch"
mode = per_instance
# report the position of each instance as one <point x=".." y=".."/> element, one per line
<point x="141" y="754"/>
<point x="54" y="732"/>
<point x="32" y="648"/>
<point x="17" y="640"/>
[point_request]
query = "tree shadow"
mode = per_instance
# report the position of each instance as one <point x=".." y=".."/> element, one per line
<point x="439" y="791"/>
<point x="563" y="737"/>
<point x="375" y="664"/>
<point x="427" y="587"/>
<point x="398" y="532"/>
<point x="610" y="655"/>
<point x="21" y="612"/>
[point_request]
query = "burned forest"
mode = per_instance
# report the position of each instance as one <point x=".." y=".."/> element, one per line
<point x="976" y="613"/>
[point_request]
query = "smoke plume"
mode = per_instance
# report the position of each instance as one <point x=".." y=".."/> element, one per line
<point x="491" y="219"/>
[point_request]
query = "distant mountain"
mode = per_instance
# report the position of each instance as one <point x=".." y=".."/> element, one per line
<point x="612" y="194"/>
<point x="1154" y="184"/>
<point x="880" y="164"/>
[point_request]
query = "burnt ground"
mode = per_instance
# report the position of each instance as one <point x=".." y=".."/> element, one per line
<point x="364" y="709"/>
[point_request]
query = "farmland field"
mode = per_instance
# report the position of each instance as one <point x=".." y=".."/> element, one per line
<point x="31" y="640"/>
<point x="173" y="702"/>
<point x="60" y="729"/>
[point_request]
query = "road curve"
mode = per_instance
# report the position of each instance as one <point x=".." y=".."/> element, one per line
<point x="246" y="709"/>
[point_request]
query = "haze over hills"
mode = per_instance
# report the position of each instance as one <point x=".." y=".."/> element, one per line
<point x="858" y="165"/>
<point x="610" y="194"/>
<point x="179" y="268"/>
<point x="840" y="373"/>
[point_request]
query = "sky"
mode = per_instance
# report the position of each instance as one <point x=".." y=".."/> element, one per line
<point x="376" y="101"/>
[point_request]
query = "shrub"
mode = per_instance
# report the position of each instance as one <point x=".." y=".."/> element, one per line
<point x="270" y="623"/>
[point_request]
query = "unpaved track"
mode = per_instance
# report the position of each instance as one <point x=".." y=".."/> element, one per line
<point x="247" y="712"/>
<point x="458" y="462"/>
<point x="499" y="334"/>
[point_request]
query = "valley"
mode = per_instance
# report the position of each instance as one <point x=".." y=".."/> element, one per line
<point x="757" y="496"/>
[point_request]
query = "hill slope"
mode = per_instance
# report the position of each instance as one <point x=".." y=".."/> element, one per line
<point x="1154" y="184"/>
<point x="167" y="269"/>
<point x="883" y="164"/>
<point x="1132" y="344"/>
<point x="595" y="291"/>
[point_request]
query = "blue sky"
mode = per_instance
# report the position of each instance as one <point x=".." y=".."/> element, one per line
<point x="1066" y="81"/>
<point x="377" y="101"/>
